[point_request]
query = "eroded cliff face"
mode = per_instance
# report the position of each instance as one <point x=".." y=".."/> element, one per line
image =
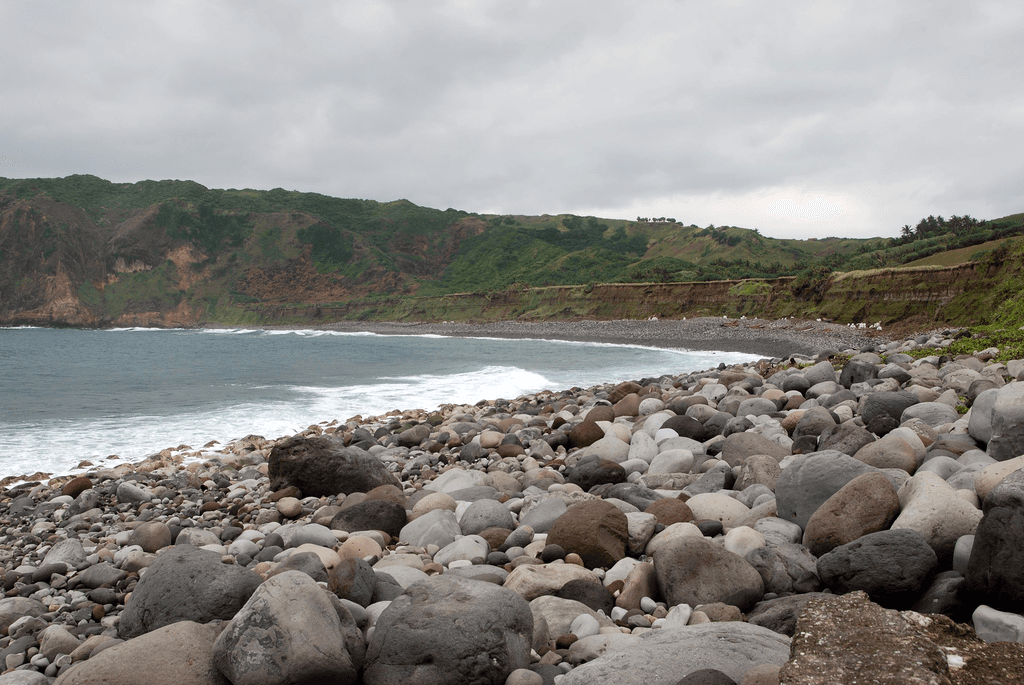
<point x="60" y="266"/>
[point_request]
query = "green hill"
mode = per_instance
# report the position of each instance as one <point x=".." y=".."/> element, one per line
<point x="84" y="251"/>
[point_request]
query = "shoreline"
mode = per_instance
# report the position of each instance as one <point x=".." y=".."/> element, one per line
<point x="779" y="338"/>
<point x="768" y="337"/>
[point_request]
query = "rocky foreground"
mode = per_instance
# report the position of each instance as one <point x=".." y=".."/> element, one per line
<point x="808" y="520"/>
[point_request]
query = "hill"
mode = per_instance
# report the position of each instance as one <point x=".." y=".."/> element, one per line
<point x="82" y="251"/>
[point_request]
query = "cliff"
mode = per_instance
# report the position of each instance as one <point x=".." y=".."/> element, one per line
<point x="85" y="252"/>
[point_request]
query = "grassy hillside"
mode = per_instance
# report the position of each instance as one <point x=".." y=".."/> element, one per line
<point x="85" y="251"/>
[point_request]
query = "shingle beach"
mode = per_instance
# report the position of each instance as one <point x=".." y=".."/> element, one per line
<point x="837" y="512"/>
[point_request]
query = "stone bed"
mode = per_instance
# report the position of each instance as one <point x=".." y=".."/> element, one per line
<point x="793" y="520"/>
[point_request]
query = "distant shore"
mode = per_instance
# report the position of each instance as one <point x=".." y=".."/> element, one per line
<point x="771" y="338"/>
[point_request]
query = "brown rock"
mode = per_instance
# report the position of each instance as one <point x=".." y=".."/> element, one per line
<point x="623" y="389"/>
<point x="719" y="612"/>
<point x="739" y="446"/>
<point x="76" y="486"/>
<point x="595" y="530"/>
<point x="866" y="504"/>
<point x="387" y="492"/>
<point x="512" y="450"/>
<point x="641" y="582"/>
<point x="670" y="510"/>
<point x="627" y="406"/>
<point x="151" y="536"/>
<point x="888" y="453"/>
<point x="495" y="537"/>
<point x="849" y="639"/>
<point x="601" y="412"/>
<point x="180" y="653"/>
<point x="585" y="434"/>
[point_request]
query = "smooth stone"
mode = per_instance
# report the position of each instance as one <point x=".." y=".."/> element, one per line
<point x="891" y="566"/>
<point x="437" y="631"/>
<point x="290" y="630"/>
<point x="696" y="571"/>
<point x="932" y="508"/>
<point x="664" y="656"/>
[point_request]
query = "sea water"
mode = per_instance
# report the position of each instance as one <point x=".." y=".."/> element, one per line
<point x="73" y="395"/>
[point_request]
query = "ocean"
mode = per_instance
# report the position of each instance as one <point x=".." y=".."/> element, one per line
<point x="72" y="395"/>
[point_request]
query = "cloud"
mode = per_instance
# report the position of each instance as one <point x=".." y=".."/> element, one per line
<point x="846" y="118"/>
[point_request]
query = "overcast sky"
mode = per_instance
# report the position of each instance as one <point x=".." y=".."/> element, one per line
<point x="802" y="119"/>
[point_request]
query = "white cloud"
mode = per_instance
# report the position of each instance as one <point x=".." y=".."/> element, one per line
<point x="844" y="118"/>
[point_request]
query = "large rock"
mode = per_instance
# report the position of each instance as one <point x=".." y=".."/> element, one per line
<point x="694" y="571"/>
<point x="322" y="467"/>
<point x="866" y="504"/>
<point x="739" y="446"/>
<point x="290" y="632"/>
<point x="531" y="581"/>
<point x="805" y="484"/>
<point x="849" y="639"/>
<point x="997" y="418"/>
<point x="375" y="514"/>
<point x="886" y="404"/>
<point x="892" y="566"/>
<point x="186" y="584"/>
<point x="437" y="527"/>
<point x="665" y="656"/>
<point x="484" y="514"/>
<point x="450" y="630"/>
<point x="931" y="507"/>
<point x="181" y="653"/>
<point x="995" y="572"/>
<point x="13" y="608"/>
<point x="891" y="452"/>
<point x="596" y="530"/>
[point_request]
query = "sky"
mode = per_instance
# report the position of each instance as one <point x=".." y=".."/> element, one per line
<point x="800" y="119"/>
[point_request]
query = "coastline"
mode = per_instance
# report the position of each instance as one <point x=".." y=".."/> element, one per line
<point x="771" y="338"/>
<point x="780" y="338"/>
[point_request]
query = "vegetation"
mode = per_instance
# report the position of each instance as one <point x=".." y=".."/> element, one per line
<point x="235" y="250"/>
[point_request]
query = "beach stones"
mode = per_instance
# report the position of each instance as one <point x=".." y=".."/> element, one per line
<point x="666" y="656"/>
<point x="809" y="481"/>
<point x="290" y="631"/>
<point x="693" y="570"/>
<point x="891" y="566"/>
<point x="450" y="630"/>
<point x="595" y="530"/>
<point x="932" y="508"/>
<point x="186" y="583"/>
<point x="321" y="466"/>
<point x="995" y="572"/>
<point x="181" y="653"/>
<point x="866" y="504"/>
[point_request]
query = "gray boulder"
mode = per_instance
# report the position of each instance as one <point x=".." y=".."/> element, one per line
<point x="290" y="632"/>
<point x="807" y="483"/>
<point x="890" y="404"/>
<point x="321" y="466"/>
<point x="892" y="566"/>
<point x="483" y="514"/>
<point x="186" y="583"/>
<point x="694" y="570"/>
<point x="181" y="653"/>
<point x="13" y="608"/>
<point x="664" y="656"/>
<point x="68" y="551"/>
<point x="997" y="418"/>
<point x="437" y="527"/>
<point x="995" y="572"/>
<point x="450" y="630"/>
